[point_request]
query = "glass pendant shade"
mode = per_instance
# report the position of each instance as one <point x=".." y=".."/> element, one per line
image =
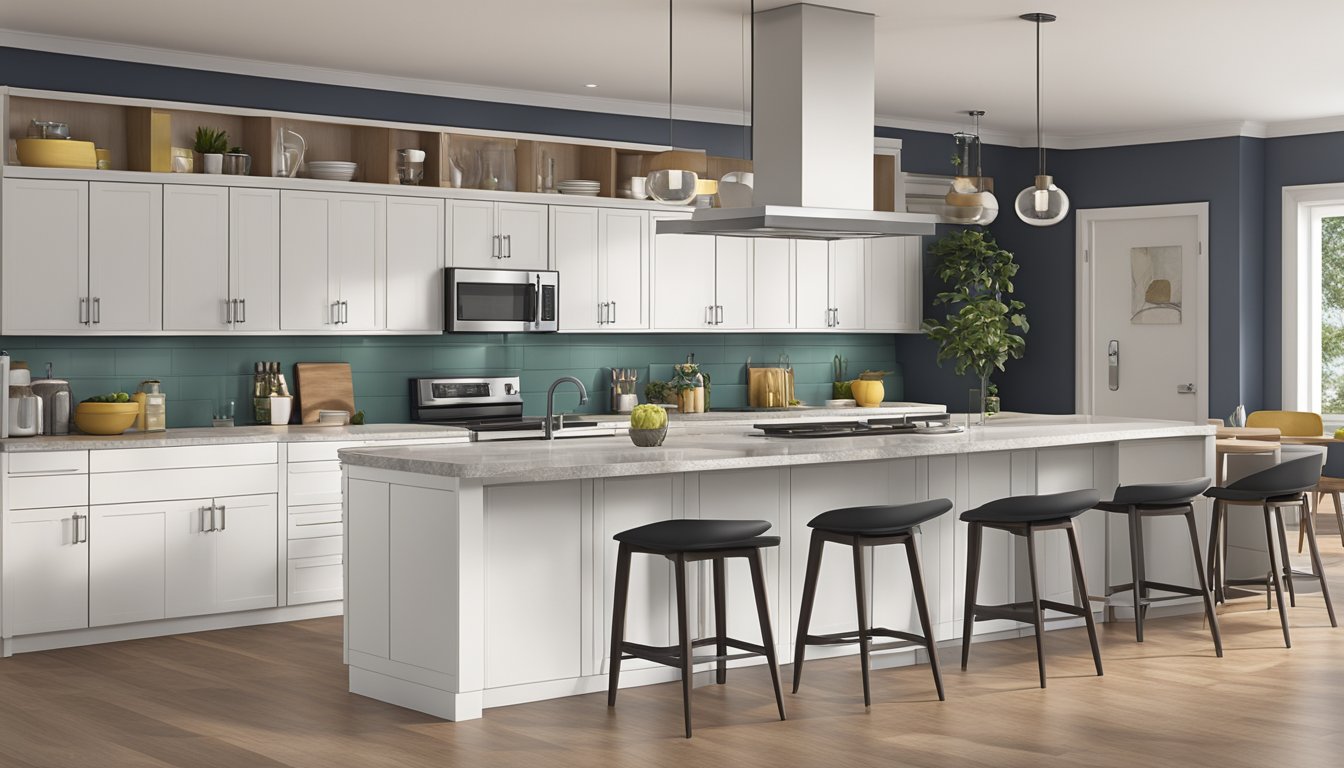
<point x="676" y="187"/>
<point x="1042" y="204"/>
<point x="971" y="199"/>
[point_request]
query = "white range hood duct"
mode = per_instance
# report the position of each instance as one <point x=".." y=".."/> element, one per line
<point x="812" y="134"/>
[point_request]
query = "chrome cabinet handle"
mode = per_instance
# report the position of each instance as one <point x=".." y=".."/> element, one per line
<point x="201" y="519"/>
<point x="74" y="522"/>
<point x="836" y="313"/>
<point x="83" y="310"/>
<point x="223" y="517"/>
<point x="508" y="249"/>
<point x="242" y="311"/>
<point x="496" y="247"/>
<point x="709" y="315"/>
<point x="345" y="312"/>
<point x="718" y="314"/>
<point x="335" y="313"/>
<point x="613" y="311"/>
<point x="601" y="312"/>
<point x="229" y="309"/>
<point x="97" y="310"/>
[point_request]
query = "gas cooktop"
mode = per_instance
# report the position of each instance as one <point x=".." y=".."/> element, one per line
<point x="935" y="424"/>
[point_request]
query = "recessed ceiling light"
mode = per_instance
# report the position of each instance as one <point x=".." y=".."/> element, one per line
<point x="590" y="85"/>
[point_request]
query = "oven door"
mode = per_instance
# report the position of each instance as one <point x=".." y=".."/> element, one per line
<point x="500" y="301"/>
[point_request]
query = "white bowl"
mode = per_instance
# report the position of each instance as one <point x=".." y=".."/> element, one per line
<point x="840" y="403"/>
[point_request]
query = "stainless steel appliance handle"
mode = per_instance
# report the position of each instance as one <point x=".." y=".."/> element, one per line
<point x="97" y="310"/>
<point x="536" y="317"/>
<point x="718" y="314"/>
<point x="1113" y="365"/>
<point x="242" y="311"/>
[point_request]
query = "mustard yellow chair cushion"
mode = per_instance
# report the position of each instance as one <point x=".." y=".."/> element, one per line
<point x="1289" y="423"/>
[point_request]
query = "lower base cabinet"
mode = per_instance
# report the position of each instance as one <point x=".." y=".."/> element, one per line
<point x="46" y="570"/>
<point x="126" y="563"/>
<point x="220" y="555"/>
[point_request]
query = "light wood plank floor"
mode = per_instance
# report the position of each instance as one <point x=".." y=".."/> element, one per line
<point x="275" y="696"/>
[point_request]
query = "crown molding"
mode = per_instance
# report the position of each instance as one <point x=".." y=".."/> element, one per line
<point x="1304" y="127"/>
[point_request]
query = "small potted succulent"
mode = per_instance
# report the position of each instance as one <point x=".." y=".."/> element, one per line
<point x="648" y="425"/>
<point x="212" y="143"/>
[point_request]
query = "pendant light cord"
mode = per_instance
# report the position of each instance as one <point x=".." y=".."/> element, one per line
<point x="1040" y="145"/>
<point x="670" y="145"/>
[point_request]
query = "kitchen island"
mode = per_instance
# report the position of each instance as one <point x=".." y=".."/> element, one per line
<point x="481" y="575"/>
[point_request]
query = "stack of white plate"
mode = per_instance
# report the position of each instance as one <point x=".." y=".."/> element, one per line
<point x="330" y="170"/>
<point x="583" y="187"/>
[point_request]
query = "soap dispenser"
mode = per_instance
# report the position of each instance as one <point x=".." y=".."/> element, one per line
<point x="153" y="407"/>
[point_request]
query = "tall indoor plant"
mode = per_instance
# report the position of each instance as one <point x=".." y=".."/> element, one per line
<point x="983" y="331"/>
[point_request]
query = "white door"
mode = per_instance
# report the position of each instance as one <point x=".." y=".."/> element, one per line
<point x="772" y="284"/>
<point x="126" y="563"/>
<point x="522" y="228"/>
<point x="357" y="261"/>
<point x="1142" y="312"/>
<point x="414" y="264"/>
<point x="245" y="562"/>
<point x="126" y="256"/>
<point x="732" y="283"/>
<point x="49" y="219"/>
<point x="471" y="238"/>
<point x="848" y="258"/>
<point x="683" y="282"/>
<point x="625" y="267"/>
<point x="196" y="258"/>
<point x="254" y="258"/>
<point x="813" y="265"/>
<point x="574" y="246"/>
<point x="894" y="288"/>
<point x="305" y="304"/>
<point x="46" y="571"/>
<point x="189" y="557"/>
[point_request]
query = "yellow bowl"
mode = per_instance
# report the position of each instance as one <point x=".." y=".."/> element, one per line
<point x="57" y="153"/>
<point x="105" y="418"/>
<point x="867" y="394"/>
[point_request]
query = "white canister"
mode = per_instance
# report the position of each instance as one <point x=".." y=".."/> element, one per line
<point x="281" y="407"/>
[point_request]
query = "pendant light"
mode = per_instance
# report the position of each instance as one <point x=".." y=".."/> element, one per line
<point x="1043" y="203"/>
<point x="668" y="184"/>
<point x="971" y="199"/>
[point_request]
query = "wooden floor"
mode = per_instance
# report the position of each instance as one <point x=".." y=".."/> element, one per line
<point x="275" y="696"/>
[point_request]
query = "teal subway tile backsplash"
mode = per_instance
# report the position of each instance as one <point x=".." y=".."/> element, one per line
<point x="201" y="374"/>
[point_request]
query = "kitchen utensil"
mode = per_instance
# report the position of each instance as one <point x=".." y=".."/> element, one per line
<point x="323" y="386"/>
<point x="57" y="153"/>
<point x="25" y="408"/>
<point x="281" y="408"/>
<point x="48" y="129"/>
<point x="624" y="403"/>
<point x="238" y="164"/>
<point x="289" y="151"/>
<point x="639" y="187"/>
<point x="56" y="403"/>
<point x="105" y="418"/>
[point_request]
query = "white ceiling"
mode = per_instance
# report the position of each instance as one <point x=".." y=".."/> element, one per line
<point x="1110" y="67"/>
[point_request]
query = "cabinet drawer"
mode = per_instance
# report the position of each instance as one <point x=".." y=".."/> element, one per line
<point x="133" y="459"/>
<point x="315" y="579"/>
<point x="193" y="483"/>
<point x="305" y="548"/>
<point x="315" y="482"/>
<point x="323" y="451"/>
<point x="48" y="463"/>
<point x="315" y="521"/>
<point x="32" y="492"/>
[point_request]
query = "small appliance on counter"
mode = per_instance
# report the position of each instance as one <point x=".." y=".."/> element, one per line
<point x="57" y="404"/>
<point x="501" y="300"/>
<point x="153" y="416"/>
<point x="4" y="394"/>
<point x="24" y="408"/>
<point x="490" y="406"/>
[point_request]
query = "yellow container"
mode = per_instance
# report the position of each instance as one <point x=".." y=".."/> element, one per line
<point x="105" y="418"/>
<point x="867" y="394"/>
<point x="57" y="153"/>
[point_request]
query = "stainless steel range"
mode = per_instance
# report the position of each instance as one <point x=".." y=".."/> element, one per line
<point x="490" y="406"/>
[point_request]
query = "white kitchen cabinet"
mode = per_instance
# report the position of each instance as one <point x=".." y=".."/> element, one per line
<point x="333" y="261"/>
<point x="682" y="292"/>
<point x="490" y="235"/>
<point x="894" y="285"/>
<point x="602" y="256"/>
<point x="415" y="259"/>
<point x="254" y="258"/>
<point x="126" y="563"/>
<point x="46" y="255"/>
<point x="46" y="570"/>
<point x="623" y="272"/>
<point x="126" y="256"/>
<point x="830" y="289"/>
<point x="732" y="283"/>
<point x="220" y="556"/>
<point x="772" y="284"/>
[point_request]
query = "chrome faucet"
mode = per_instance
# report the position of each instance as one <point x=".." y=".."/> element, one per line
<point x="548" y="427"/>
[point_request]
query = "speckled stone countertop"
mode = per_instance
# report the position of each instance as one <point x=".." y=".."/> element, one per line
<point x="730" y="447"/>
<point x="227" y="435"/>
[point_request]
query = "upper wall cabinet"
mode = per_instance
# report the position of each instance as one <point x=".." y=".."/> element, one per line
<point x="894" y="285"/>
<point x="830" y="292"/>
<point x="415" y="259"/>
<point x="491" y="235"/>
<point x="603" y="259"/>
<point x="333" y="261"/>
<point x="773" y="284"/>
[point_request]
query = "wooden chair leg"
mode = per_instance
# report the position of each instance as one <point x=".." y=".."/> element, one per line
<point x="922" y="604"/>
<point x="1210" y="613"/>
<point x="861" y="601"/>
<point x="1038" y="618"/>
<point x="973" y="533"/>
<point x="618" y="622"/>
<point x="720" y="621"/>
<point x="805" y="610"/>
<point x="684" y="640"/>
<point x="1080" y="581"/>
<point x="1318" y="568"/>
<point x="767" y="634"/>
<point x="1275" y="577"/>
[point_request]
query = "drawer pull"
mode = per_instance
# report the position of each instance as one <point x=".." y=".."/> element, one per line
<point x="317" y="565"/>
<point x="38" y="472"/>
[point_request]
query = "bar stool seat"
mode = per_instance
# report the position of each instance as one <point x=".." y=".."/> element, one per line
<point x="683" y="542"/>
<point x="1025" y="516"/>
<point x="1160" y="500"/>
<point x="859" y="527"/>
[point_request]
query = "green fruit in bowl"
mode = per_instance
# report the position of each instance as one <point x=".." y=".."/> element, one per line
<point x="648" y="417"/>
<point x="1339" y="433"/>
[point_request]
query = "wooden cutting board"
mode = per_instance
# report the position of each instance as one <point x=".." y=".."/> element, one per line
<point x="323" y="387"/>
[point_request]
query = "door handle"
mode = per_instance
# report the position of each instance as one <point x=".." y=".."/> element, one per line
<point x="335" y="313"/>
<point x="1185" y="389"/>
<point x="495" y="247"/>
<point x="345" y="312"/>
<point x="97" y="310"/>
<point x="508" y="246"/>
<point x="613" y="311"/>
<point x="74" y="522"/>
<point x="709" y="314"/>
<point x="201" y="519"/>
<point x="1113" y="365"/>
<point x="718" y="314"/>
<point x="83" y="310"/>
<point x="230" y="309"/>
<point x="223" y="517"/>
<point x="836" y="314"/>
<point x="242" y="311"/>
<point x="601" y="312"/>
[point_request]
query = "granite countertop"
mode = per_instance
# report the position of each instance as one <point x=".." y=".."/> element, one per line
<point x="730" y="447"/>
<point x="227" y="435"/>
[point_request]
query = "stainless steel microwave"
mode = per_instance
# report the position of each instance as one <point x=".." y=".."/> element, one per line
<point x="501" y="300"/>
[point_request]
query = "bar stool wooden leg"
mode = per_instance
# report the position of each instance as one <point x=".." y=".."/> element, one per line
<point x="1038" y="618"/>
<point x="1210" y="613"/>
<point x="1136" y="570"/>
<point x="720" y="621"/>
<point x="1318" y="568"/>
<point x="1081" y="583"/>
<point x="861" y="601"/>
<point x="684" y="640"/>
<point x="1287" y="565"/>
<point x="1275" y="577"/>
<point x="767" y="634"/>
<point x="618" y="622"/>
<point x="973" y="533"/>
<point x="1339" y="514"/>
<point x="805" y="610"/>
<point x="922" y="604"/>
<point x="1214" y="562"/>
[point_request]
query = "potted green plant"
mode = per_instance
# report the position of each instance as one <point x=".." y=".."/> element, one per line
<point x="985" y="328"/>
<point x="211" y="143"/>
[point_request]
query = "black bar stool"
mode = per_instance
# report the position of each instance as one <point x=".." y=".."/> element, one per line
<point x="1283" y="485"/>
<point x="859" y="527"/>
<point x="1160" y="500"/>
<point x="1025" y="516"/>
<point x="689" y="541"/>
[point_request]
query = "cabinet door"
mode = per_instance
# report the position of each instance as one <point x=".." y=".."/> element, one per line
<point x="523" y="227"/>
<point x="46" y="571"/>
<point x="245" y="553"/>
<point x="813" y="265"/>
<point x="305" y="304"/>
<point x="414" y="264"/>
<point x="189" y="557"/>
<point x="732" y="284"/>
<point x="126" y="563"/>
<point x="126" y="256"/>
<point x="254" y="258"/>
<point x="196" y="258"/>
<point x="574" y="247"/>
<point x="683" y="281"/>
<point x="625" y="268"/>
<point x="847" y="271"/>
<point x="46" y="256"/>
<point x="471" y="235"/>
<point x="772" y="284"/>
<point x="357" y="261"/>
<point x="893" y="286"/>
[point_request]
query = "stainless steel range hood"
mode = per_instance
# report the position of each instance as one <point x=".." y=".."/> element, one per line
<point x="812" y="135"/>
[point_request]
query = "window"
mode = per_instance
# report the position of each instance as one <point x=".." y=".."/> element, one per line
<point x="1313" y="301"/>
<point x="1328" y="253"/>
